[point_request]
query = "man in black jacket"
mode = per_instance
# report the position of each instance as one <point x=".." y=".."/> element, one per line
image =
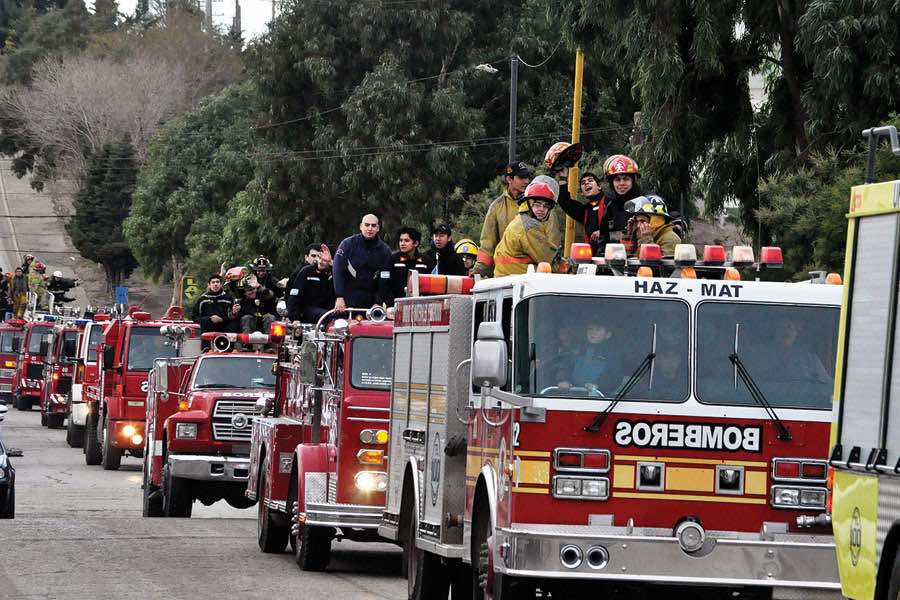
<point x="312" y="294"/>
<point x="214" y="310"/>
<point x="395" y="273"/>
<point x="444" y="260"/>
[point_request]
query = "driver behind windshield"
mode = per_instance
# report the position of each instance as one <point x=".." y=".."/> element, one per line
<point x="789" y="358"/>
<point x="591" y="365"/>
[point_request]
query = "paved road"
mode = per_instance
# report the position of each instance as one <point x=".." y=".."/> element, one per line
<point x="78" y="534"/>
<point x="29" y="225"/>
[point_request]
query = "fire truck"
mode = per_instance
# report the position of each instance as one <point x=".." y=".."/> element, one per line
<point x="569" y="433"/>
<point x="116" y="402"/>
<point x="317" y="456"/>
<point x="200" y="408"/>
<point x="59" y="366"/>
<point x="86" y="373"/>
<point x="866" y="452"/>
<point x="28" y="381"/>
<point x="10" y="340"/>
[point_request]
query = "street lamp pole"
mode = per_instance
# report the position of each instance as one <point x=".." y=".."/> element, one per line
<point x="513" y="104"/>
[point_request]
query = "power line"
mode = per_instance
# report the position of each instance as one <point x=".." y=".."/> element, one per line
<point x="543" y="62"/>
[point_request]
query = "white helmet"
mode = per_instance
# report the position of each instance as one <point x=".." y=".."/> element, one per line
<point x="57" y="274"/>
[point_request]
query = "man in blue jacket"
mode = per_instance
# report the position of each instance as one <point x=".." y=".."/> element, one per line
<point x="357" y="263"/>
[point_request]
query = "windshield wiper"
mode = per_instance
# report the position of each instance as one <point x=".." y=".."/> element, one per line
<point x="741" y="371"/>
<point x="646" y="365"/>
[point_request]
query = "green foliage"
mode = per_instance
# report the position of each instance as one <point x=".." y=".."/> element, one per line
<point x="194" y="168"/>
<point x="100" y="208"/>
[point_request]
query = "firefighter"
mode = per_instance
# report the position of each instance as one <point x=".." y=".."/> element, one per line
<point x="310" y="257"/>
<point x="527" y="240"/>
<point x="502" y="211"/>
<point x="18" y="292"/>
<point x="608" y="219"/>
<point x="255" y="307"/>
<point x="5" y="301"/>
<point x="444" y="260"/>
<point x="314" y="290"/>
<point x="468" y="251"/>
<point x="26" y="263"/>
<point x="214" y="310"/>
<point x="395" y="272"/>
<point x="357" y="262"/>
<point x="262" y="268"/>
<point x="37" y="283"/>
<point x="651" y="224"/>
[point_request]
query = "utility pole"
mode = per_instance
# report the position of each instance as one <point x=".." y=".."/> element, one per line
<point x="209" y="20"/>
<point x="236" y="24"/>
<point x="513" y="104"/>
<point x="637" y="133"/>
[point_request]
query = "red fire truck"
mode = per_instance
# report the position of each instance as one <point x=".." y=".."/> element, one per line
<point x="10" y="340"/>
<point x="116" y="402"/>
<point x="615" y="431"/>
<point x="317" y="456"/>
<point x="199" y="414"/>
<point x="59" y="367"/>
<point x="28" y="381"/>
<point x="86" y="374"/>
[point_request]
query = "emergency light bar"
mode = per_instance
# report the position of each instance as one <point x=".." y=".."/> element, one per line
<point x="615" y="253"/>
<point x="101" y="317"/>
<point x="217" y="337"/>
<point x="713" y="255"/>
<point x="436" y="285"/>
<point x="277" y="330"/>
<point x="50" y="318"/>
<point x="770" y="256"/>
<point x="685" y="254"/>
<point x="650" y="253"/>
<point x="140" y="315"/>
<point x="742" y="256"/>
<point x="581" y="252"/>
<point x="16" y="322"/>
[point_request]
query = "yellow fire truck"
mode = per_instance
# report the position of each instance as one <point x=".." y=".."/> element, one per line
<point x="866" y="451"/>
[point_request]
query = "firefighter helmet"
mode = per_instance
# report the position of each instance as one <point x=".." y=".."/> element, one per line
<point x="562" y="155"/>
<point x="29" y="256"/>
<point x="261" y="264"/>
<point x="39" y="266"/>
<point x="466" y="246"/>
<point x="650" y="204"/>
<point x="619" y="164"/>
<point x="541" y="188"/>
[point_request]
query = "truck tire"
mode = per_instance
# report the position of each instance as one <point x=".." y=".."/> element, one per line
<point x="43" y="418"/>
<point x="9" y="511"/>
<point x="177" y="499"/>
<point x="428" y="577"/>
<point x="502" y="587"/>
<point x="894" y="582"/>
<point x="152" y="504"/>
<point x="111" y="458"/>
<point x="23" y="402"/>
<point x="55" y="421"/>
<point x="92" y="453"/>
<point x="460" y="580"/>
<point x="74" y="433"/>
<point x="271" y="535"/>
<point x="313" y="546"/>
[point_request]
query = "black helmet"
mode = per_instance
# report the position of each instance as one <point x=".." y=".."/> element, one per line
<point x="261" y="264"/>
<point x="650" y="204"/>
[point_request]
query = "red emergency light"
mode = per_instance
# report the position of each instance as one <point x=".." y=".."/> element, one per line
<point x="140" y="315"/>
<point x="245" y="338"/>
<point x="174" y="313"/>
<point x="650" y="253"/>
<point x="277" y="330"/>
<point x="16" y="322"/>
<point x="771" y="257"/>
<point x="101" y="317"/>
<point x="581" y="252"/>
<point x="434" y="285"/>
<point x="713" y="255"/>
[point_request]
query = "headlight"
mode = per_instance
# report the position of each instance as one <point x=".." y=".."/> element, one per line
<point x="814" y="498"/>
<point x="186" y="431"/>
<point x="371" y="481"/>
<point x="581" y="488"/>
<point x="2" y="473"/>
<point x="129" y="430"/>
<point x="373" y="436"/>
<point x="786" y="496"/>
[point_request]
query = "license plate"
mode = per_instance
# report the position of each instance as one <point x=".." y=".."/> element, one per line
<point x="135" y="403"/>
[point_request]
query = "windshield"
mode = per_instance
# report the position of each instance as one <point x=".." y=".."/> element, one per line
<point x="579" y="347"/>
<point x="6" y="340"/>
<point x="93" y="341"/>
<point x="372" y="358"/>
<point x="234" y="372"/>
<point x="789" y="352"/>
<point x="38" y="335"/>
<point x="69" y="336"/>
<point x="145" y="345"/>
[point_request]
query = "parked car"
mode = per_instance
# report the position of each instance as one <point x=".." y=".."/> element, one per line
<point x="7" y="476"/>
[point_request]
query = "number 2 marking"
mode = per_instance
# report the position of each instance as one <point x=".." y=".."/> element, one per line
<point x="516" y="430"/>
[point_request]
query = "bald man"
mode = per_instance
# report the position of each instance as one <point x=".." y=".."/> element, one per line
<point x="357" y="263"/>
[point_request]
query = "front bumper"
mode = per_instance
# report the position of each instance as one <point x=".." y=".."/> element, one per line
<point x="209" y="468"/>
<point x="653" y="555"/>
<point x="353" y="516"/>
<point x="58" y="404"/>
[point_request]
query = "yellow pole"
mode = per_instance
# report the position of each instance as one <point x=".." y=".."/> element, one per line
<point x="576" y="137"/>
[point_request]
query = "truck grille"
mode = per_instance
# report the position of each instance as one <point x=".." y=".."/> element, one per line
<point x="223" y="430"/>
<point x="7" y="373"/>
<point x="64" y="385"/>
<point x="34" y="371"/>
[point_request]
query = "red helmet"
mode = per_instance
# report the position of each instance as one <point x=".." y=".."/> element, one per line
<point x="39" y="266"/>
<point x="619" y="164"/>
<point x="542" y="188"/>
<point x="562" y="154"/>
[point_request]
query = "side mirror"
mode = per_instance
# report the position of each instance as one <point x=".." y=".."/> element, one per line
<point x="160" y="375"/>
<point x="309" y="353"/>
<point x="70" y="349"/>
<point x="45" y="347"/>
<point x="489" y="356"/>
<point x="109" y="357"/>
<point x="16" y="344"/>
<point x="14" y="452"/>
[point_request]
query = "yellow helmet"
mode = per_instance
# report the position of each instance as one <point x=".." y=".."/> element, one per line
<point x="466" y="246"/>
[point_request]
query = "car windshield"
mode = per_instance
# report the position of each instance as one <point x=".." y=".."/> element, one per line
<point x="372" y="358"/>
<point x="6" y="340"/>
<point x="580" y="347"/>
<point x="145" y="345"/>
<point x="243" y="372"/>
<point x="38" y="335"/>
<point x="95" y="338"/>
<point x="789" y="352"/>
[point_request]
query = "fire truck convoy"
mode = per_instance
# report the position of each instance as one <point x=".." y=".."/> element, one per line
<point x="613" y="431"/>
<point x="86" y="371"/>
<point x="10" y="340"/>
<point x="866" y="453"/>
<point x="200" y="408"/>
<point x="28" y="381"/>
<point x="59" y="350"/>
<point x="317" y="455"/>
<point x="116" y="400"/>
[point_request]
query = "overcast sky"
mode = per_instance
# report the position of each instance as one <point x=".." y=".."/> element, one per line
<point x="255" y="14"/>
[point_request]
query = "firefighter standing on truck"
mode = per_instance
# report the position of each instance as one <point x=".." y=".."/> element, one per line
<point x="214" y="310"/>
<point x="357" y="262"/>
<point x="313" y="293"/>
<point x="468" y="251"/>
<point x="527" y="240"/>
<point x="651" y="224"/>
<point x="502" y="211"/>
<point x="395" y="273"/>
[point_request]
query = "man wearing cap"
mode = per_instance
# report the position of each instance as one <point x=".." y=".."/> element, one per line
<point x="441" y="255"/>
<point x="502" y="211"/>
